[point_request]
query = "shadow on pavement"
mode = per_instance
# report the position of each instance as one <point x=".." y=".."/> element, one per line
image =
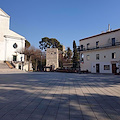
<point x="56" y="96"/>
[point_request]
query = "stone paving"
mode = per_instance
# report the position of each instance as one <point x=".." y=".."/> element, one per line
<point x="59" y="96"/>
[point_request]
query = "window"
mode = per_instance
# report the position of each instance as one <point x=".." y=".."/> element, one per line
<point x="97" y="44"/>
<point x="97" y="56"/>
<point x="88" y="57"/>
<point x="20" y="67"/>
<point x="104" y="56"/>
<point x="113" y="55"/>
<point x="88" y="46"/>
<point x="21" y="59"/>
<point x="15" y="45"/>
<point x="113" y="41"/>
<point x="106" y="67"/>
<point x="81" y="47"/>
<point x="14" y="58"/>
<point x="82" y="57"/>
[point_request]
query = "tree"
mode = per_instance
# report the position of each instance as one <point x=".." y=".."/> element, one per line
<point x="50" y="43"/>
<point x="36" y="56"/>
<point x="75" y="55"/>
<point x="27" y="44"/>
<point x="29" y="52"/>
<point x="68" y="54"/>
<point x="33" y="55"/>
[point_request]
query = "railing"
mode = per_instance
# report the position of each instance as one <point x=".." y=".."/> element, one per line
<point x="12" y="63"/>
<point x="9" y="65"/>
<point x="100" y="47"/>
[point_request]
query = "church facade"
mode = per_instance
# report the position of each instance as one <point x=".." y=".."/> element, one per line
<point x="11" y="43"/>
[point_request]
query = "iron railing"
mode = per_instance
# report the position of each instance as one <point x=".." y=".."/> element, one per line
<point x="99" y="47"/>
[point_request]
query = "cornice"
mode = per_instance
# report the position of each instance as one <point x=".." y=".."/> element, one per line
<point x="18" y="38"/>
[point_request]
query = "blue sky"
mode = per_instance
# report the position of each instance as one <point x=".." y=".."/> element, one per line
<point x="65" y="20"/>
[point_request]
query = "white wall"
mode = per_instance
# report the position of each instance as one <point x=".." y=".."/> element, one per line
<point x="8" y="38"/>
<point x="10" y="50"/>
<point x="4" y="28"/>
<point x="105" y="39"/>
<point x="91" y="64"/>
<point x="4" y="24"/>
<point x="2" y="50"/>
<point x="93" y="67"/>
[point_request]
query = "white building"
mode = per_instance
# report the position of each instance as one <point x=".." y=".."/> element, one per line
<point x="10" y="42"/>
<point x="101" y="53"/>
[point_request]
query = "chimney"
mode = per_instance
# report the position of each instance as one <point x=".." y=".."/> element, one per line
<point x="108" y="27"/>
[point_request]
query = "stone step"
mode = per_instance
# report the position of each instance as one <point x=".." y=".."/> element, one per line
<point x="9" y="65"/>
<point x="5" y="69"/>
<point x="3" y="66"/>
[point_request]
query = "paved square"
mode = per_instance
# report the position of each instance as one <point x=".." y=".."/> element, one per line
<point x="59" y="96"/>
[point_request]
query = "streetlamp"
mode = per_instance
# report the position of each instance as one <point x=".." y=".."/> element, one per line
<point x="41" y="61"/>
<point x="78" y="49"/>
<point x="22" y="62"/>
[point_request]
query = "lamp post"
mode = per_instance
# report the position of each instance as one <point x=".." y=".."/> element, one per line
<point x="22" y="62"/>
<point x="41" y="61"/>
<point x="78" y="48"/>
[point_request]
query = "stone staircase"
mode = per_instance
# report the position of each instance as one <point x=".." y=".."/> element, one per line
<point x="5" y="69"/>
<point x="3" y="66"/>
<point x="9" y="65"/>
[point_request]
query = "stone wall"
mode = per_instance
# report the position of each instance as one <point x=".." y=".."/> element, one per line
<point x="52" y="58"/>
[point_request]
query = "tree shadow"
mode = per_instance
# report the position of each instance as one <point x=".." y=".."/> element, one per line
<point x="48" y="96"/>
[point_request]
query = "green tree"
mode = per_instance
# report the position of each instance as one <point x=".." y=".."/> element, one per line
<point x="27" y="44"/>
<point x="75" y="55"/>
<point x="68" y="54"/>
<point x="50" y="43"/>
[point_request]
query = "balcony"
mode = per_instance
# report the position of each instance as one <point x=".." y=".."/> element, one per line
<point x="99" y="47"/>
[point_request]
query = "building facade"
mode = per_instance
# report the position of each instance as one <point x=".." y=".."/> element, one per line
<point x="52" y="58"/>
<point x="101" y="53"/>
<point x="11" y="43"/>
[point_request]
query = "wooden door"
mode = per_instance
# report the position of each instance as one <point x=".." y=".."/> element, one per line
<point x="114" y="68"/>
<point x="97" y="68"/>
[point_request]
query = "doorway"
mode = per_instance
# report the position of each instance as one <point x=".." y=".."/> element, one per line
<point x="97" y="68"/>
<point x="114" y="68"/>
<point x="20" y="67"/>
<point x="14" y="58"/>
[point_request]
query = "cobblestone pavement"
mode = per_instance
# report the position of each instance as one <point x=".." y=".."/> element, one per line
<point x="59" y="96"/>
